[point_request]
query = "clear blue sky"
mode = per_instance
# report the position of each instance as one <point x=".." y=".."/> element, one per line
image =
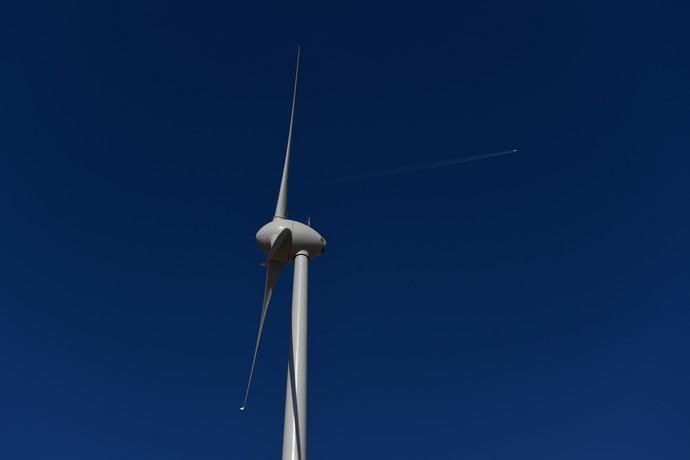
<point x="533" y="306"/>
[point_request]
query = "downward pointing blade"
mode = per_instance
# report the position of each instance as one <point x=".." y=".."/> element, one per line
<point x="277" y="255"/>
<point x="273" y="269"/>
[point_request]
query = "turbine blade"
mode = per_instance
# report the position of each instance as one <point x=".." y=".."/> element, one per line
<point x="277" y="257"/>
<point x="281" y="205"/>
<point x="273" y="269"/>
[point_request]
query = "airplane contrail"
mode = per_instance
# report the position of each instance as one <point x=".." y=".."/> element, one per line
<point x="423" y="166"/>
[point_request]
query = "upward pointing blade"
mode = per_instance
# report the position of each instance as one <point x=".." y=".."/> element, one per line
<point x="281" y="205"/>
<point x="277" y="256"/>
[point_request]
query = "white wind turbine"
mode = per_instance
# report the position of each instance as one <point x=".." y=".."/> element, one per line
<point x="285" y="240"/>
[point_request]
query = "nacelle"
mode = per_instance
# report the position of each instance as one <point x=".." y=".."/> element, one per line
<point x="304" y="238"/>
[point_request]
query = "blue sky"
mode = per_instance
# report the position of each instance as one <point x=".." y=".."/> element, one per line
<point x="528" y="306"/>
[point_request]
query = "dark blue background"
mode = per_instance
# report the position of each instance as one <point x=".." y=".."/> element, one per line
<point x="529" y="306"/>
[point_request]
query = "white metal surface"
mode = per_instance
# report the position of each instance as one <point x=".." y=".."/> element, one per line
<point x="295" y="427"/>
<point x="303" y="237"/>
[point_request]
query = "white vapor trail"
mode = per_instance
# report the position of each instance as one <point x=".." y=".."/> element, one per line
<point x="423" y="166"/>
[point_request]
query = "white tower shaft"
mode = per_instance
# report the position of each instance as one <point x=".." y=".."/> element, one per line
<point x="295" y="428"/>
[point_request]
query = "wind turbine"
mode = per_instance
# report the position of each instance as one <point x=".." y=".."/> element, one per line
<point x="284" y="240"/>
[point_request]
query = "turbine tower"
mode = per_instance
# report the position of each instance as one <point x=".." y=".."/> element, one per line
<point x="284" y="240"/>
